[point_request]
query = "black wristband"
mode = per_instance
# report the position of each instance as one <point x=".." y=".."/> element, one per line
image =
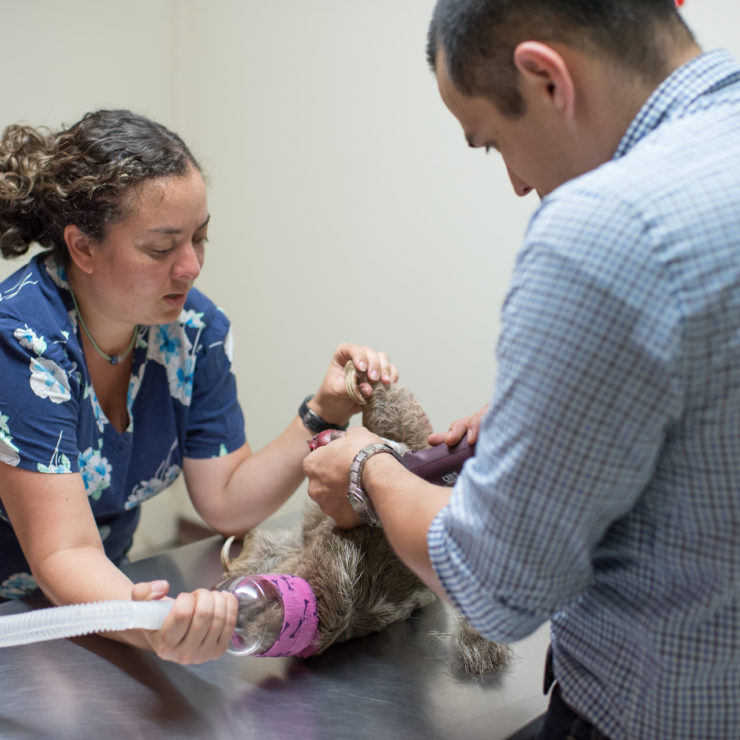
<point x="313" y="422"/>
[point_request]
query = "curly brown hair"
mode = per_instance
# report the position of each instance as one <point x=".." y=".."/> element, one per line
<point x="83" y="175"/>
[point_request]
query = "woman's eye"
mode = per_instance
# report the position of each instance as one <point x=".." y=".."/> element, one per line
<point x="159" y="253"/>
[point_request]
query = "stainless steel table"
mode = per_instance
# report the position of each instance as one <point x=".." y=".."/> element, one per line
<point x="398" y="683"/>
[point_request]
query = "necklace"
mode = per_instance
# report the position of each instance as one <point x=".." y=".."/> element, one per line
<point x="113" y="359"/>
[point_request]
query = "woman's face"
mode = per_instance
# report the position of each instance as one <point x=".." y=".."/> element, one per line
<point x="145" y="265"/>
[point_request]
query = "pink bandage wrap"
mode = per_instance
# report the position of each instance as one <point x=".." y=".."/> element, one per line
<point x="301" y="620"/>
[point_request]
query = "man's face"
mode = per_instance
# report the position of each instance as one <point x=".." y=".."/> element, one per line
<point x="526" y="144"/>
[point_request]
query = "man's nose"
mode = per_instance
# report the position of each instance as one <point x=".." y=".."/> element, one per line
<point x="521" y="188"/>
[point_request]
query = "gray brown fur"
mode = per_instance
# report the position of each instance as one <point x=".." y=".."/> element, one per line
<point x="360" y="584"/>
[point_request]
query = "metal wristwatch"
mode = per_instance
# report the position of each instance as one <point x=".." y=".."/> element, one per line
<point x="358" y="498"/>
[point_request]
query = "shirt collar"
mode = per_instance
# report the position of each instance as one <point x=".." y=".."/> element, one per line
<point x="707" y="72"/>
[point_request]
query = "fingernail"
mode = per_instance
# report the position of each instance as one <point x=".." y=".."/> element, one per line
<point x="362" y="366"/>
<point x="374" y="375"/>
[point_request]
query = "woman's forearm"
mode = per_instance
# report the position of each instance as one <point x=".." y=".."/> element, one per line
<point x="237" y="499"/>
<point x="268" y="477"/>
<point x="83" y="575"/>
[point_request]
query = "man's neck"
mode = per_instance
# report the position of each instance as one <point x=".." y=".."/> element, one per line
<point x="609" y="100"/>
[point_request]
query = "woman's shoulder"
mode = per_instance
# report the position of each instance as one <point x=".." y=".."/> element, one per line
<point x="196" y="347"/>
<point x="34" y="294"/>
<point x="40" y="358"/>
<point x="201" y="328"/>
<point x="21" y="279"/>
<point x="200" y="313"/>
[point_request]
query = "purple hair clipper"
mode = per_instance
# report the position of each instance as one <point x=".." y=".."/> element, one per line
<point x="440" y="464"/>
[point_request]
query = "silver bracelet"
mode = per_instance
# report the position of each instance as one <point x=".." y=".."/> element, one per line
<point x="358" y="498"/>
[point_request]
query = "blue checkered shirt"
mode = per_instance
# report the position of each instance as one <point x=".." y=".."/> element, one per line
<point x="605" y="491"/>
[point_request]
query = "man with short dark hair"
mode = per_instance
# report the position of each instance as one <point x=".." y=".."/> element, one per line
<point x="604" y="494"/>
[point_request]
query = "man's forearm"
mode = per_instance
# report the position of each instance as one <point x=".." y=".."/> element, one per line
<point x="406" y="505"/>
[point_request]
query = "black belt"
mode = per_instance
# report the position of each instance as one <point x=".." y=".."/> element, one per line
<point x="560" y="721"/>
<point x="549" y="679"/>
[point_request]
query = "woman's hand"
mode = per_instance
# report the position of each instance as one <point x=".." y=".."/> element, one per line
<point x="198" y="627"/>
<point x="331" y="402"/>
<point x="468" y="426"/>
<point x="328" y="475"/>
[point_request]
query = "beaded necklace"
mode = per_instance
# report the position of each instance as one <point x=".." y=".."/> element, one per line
<point x="113" y="359"/>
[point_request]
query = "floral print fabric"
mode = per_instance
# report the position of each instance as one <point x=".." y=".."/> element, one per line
<point x="181" y="403"/>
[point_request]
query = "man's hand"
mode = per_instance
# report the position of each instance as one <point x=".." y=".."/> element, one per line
<point x="327" y="469"/>
<point x="468" y="426"/>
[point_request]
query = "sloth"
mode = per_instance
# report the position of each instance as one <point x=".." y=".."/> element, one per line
<point x="360" y="585"/>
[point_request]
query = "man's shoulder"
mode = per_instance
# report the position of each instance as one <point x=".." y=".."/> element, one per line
<point x="683" y="171"/>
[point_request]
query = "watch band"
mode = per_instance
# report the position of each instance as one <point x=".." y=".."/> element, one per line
<point x="313" y="422"/>
<point x="358" y="498"/>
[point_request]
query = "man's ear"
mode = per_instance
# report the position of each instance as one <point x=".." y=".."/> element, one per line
<point x="80" y="246"/>
<point x="546" y="73"/>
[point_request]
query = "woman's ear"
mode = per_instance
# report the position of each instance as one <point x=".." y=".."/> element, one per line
<point x="80" y="247"/>
<point x="545" y="73"/>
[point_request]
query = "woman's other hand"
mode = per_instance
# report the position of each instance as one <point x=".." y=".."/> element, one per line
<point x="331" y="402"/>
<point x="198" y="627"/>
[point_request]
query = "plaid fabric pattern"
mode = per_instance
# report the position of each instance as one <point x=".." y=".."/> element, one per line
<point x="605" y="491"/>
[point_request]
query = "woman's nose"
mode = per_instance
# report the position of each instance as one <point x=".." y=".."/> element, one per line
<point x="189" y="262"/>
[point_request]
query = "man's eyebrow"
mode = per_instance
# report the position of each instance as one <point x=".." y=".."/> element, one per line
<point x="170" y="230"/>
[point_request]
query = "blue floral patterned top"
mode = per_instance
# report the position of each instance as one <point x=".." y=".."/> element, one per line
<point x="182" y="402"/>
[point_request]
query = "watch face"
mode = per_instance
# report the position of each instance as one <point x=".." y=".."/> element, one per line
<point x="359" y="502"/>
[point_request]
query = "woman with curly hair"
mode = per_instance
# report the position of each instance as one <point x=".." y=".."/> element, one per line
<point x="117" y="373"/>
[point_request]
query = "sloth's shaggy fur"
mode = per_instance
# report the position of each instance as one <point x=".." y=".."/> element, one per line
<point x="360" y="584"/>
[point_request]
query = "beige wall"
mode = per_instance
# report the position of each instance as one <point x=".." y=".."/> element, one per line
<point x="345" y="204"/>
<point x="60" y="60"/>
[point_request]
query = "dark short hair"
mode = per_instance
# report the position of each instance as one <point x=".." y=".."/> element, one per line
<point x="81" y="175"/>
<point x="479" y="38"/>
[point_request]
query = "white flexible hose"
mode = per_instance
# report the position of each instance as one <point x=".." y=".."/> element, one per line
<point x="81" y="619"/>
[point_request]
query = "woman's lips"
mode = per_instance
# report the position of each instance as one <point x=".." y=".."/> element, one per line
<point x="176" y="299"/>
